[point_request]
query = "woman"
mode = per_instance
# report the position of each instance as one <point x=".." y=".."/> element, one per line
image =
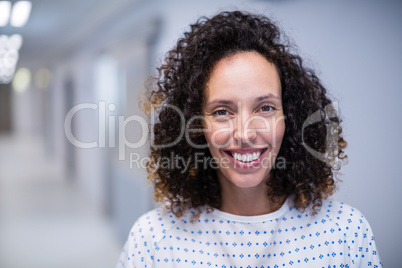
<point x="253" y="166"/>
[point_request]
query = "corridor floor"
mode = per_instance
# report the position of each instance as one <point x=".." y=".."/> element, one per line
<point x="45" y="222"/>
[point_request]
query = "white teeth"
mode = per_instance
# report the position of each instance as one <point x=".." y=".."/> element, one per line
<point x="236" y="156"/>
<point x="246" y="157"/>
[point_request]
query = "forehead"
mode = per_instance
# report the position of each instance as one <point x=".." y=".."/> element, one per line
<point x="243" y="76"/>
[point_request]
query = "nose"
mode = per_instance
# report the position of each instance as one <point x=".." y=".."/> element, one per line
<point x="245" y="132"/>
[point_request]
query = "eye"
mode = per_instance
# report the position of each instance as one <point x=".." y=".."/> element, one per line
<point x="266" y="108"/>
<point x="221" y="112"/>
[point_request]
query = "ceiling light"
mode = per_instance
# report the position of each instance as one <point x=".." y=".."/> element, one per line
<point x="15" y="42"/>
<point x="3" y="42"/>
<point x="21" y="80"/>
<point x="5" y="7"/>
<point x="20" y="13"/>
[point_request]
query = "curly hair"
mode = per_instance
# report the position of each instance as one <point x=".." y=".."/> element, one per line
<point x="181" y="83"/>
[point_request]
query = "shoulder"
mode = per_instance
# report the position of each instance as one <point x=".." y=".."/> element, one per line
<point x="357" y="231"/>
<point x="153" y="225"/>
<point x="343" y="214"/>
<point x="341" y="220"/>
<point x="333" y="216"/>
<point x="144" y="236"/>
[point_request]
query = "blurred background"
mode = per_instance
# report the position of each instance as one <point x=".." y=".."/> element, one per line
<point x="71" y="75"/>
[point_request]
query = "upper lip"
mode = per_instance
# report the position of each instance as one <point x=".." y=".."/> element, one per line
<point x="245" y="150"/>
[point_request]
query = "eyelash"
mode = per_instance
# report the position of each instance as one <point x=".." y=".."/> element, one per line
<point x="227" y="112"/>
<point x="270" y="108"/>
<point x="220" y="110"/>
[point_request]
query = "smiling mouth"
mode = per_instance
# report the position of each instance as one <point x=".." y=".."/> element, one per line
<point x="246" y="157"/>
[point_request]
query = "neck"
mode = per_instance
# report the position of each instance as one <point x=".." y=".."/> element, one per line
<point x="248" y="201"/>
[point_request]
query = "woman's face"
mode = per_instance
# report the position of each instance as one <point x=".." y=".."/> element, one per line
<point x="244" y="123"/>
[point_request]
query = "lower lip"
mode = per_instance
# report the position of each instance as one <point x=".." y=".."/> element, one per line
<point x="253" y="164"/>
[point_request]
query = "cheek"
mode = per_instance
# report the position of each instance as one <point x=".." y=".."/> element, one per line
<point x="272" y="131"/>
<point x="278" y="132"/>
<point x="218" y="136"/>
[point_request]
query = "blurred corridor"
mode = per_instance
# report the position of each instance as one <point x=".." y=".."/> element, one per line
<point x="45" y="221"/>
<point x="70" y="190"/>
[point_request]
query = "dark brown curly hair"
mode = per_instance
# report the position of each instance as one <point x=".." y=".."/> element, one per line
<point x="181" y="83"/>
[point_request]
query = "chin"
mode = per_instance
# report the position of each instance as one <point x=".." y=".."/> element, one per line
<point x="245" y="180"/>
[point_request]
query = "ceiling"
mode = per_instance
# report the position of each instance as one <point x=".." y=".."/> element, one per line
<point x="55" y="25"/>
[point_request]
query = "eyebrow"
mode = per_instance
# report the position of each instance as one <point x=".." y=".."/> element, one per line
<point x="269" y="96"/>
<point x="228" y="102"/>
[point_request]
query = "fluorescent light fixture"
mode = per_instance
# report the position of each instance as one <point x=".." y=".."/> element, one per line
<point x="5" y="7"/>
<point x="21" y="80"/>
<point x="3" y="42"/>
<point x="20" y="13"/>
<point x="15" y="42"/>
